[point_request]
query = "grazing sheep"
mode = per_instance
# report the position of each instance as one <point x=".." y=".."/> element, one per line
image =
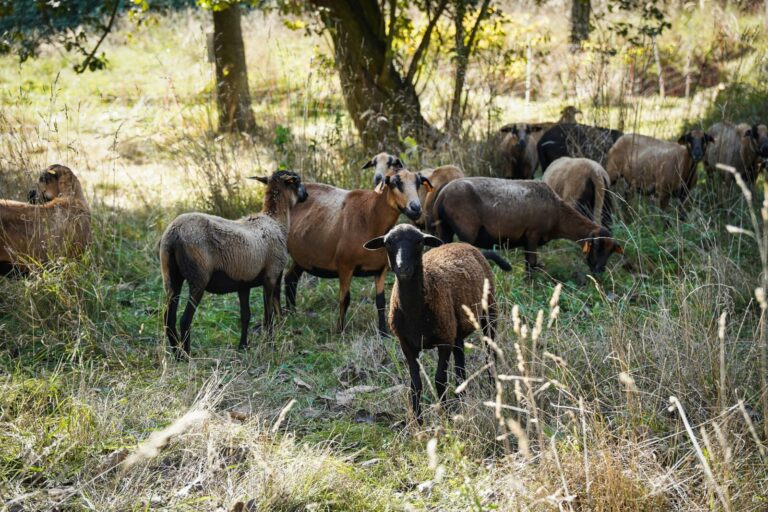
<point x="512" y="159"/>
<point x="438" y="178"/>
<point x="220" y="256"/>
<point x="741" y="146"/>
<point x="328" y="232"/>
<point x="658" y="167"/>
<point x="59" y="224"/>
<point x="583" y="184"/>
<point x="426" y="310"/>
<point x="518" y="213"/>
<point x="382" y="164"/>
<point x="575" y="140"/>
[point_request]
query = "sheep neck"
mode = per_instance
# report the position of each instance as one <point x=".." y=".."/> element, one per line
<point x="573" y="225"/>
<point x="411" y="293"/>
<point x="384" y="215"/>
<point x="277" y="206"/>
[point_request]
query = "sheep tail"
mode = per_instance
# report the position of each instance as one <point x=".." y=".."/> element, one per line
<point x="496" y="258"/>
<point x="167" y="261"/>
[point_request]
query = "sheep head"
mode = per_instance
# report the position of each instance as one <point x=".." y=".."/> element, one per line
<point x="404" y="245"/>
<point x="402" y="187"/>
<point x="383" y="163"/>
<point x="568" y="114"/>
<point x="758" y="135"/>
<point x="696" y="142"/>
<point x="517" y="133"/>
<point x="286" y="183"/>
<point x="55" y="181"/>
<point x="598" y="248"/>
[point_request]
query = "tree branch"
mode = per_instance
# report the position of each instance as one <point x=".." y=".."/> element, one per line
<point x="424" y="44"/>
<point x="82" y="67"/>
<point x="388" y="52"/>
<point x="473" y="34"/>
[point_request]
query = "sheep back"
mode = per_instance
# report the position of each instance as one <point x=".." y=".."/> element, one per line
<point x="580" y="182"/>
<point x="649" y="164"/>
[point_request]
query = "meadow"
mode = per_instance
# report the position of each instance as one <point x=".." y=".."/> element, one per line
<point x="642" y="389"/>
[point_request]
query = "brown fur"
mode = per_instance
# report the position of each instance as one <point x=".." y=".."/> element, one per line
<point x="513" y="161"/>
<point x="59" y="226"/>
<point x="517" y="213"/>
<point x="568" y="114"/>
<point x="653" y="166"/>
<point x="224" y="256"/>
<point x="439" y="178"/>
<point x="569" y="178"/>
<point x="328" y="232"/>
<point x="733" y="147"/>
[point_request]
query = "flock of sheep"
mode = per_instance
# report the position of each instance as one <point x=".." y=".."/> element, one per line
<point x="439" y="297"/>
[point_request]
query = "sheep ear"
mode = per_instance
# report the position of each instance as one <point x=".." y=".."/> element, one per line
<point x="398" y="164"/>
<point x="379" y="187"/>
<point x="586" y="247"/>
<point x="507" y="128"/>
<point x="263" y="179"/>
<point x="51" y="171"/>
<point x="683" y="139"/>
<point x="618" y="249"/>
<point x="370" y="163"/>
<point x="709" y="138"/>
<point x="432" y="241"/>
<point x="427" y="184"/>
<point x="536" y="128"/>
<point x="374" y="244"/>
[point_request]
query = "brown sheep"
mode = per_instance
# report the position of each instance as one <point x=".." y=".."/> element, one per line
<point x="658" y="167"/>
<point x="426" y="307"/>
<point x="512" y="158"/>
<point x="221" y="256"/>
<point x="584" y="184"/>
<point x="59" y="225"/>
<point x="439" y="178"/>
<point x="328" y="232"/>
<point x="382" y="164"/>
<point x="518" y="213"/>
<point x="568" y="115"/>
<point x="740" y="146"/>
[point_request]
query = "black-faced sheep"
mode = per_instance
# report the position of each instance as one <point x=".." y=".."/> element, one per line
<point x="583" y="184"/>
<point x="220" y="256"/>
<point x="740" y="146"/>
<point x="58" y="224"/>
<point x="328" y="232"/>
<point x="575" y="140"/>
<point x="426" y="305"/>
<point x="439" y="178"/>
<point x="518" y="213"/>
<point x="654" y="166"/>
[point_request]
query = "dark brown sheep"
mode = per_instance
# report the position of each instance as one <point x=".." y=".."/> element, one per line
<point x="220" y="256"/>
<point x="58" y="224"/>
<point x="426" y="307"/>
<point x="518" y="213"/>
<point x="328" y="232"/>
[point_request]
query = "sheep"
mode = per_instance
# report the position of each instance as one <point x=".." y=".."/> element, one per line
<point x="568" y="114"/>
<point x="382" y="164"/>
<point x="328" y="232"/>
<point x="221" y="256"/>
<point x="740" y="146"/>
<point x="439" y="178"/>
<point x="658" y="167"/>
<point x="518" y="213"/>
<point x="512" y="159"/>
<point x="57" y="223"/>
<point x="575" y="140"/>
<point x="430" y="291"/>
<point x="583" y="184"/>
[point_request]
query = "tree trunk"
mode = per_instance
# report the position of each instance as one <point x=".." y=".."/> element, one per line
<point x="232" y="96"/>
<point x="383" y="106"/>
<point x="580" y="29"/>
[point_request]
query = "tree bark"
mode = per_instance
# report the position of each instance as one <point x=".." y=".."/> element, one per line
<point x="384" y="107"/>
<point x="232" y="96"/>
<point x="580" y="28"/>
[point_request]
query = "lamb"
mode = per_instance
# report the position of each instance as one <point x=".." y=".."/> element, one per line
<point x="438" y="178"/>
<point x="740" y="146"/>
<point x="426" y="306"/>
<point x="518" y="213"/>
<point x="58" y="223"/>
<point x="328" y="232"/>
<point x="221" y="256"/>
<point x="583" y="184"/>
<point x="658" y="167"/>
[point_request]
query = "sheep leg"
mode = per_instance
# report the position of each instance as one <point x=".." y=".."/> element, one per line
<point x="381" y="302"/>
<point x="531" y="264"/>
<point x="245" y="316"/>
<point x="416" y="386"/>
<point x="441" y="375"/>
<point x="269" y="305"/>
<point x="345" y="280"/>
<point x="459" y="361"/>
<point x="195" y="296"/>
<point x="169" y="318"/>
<point x="291" y="284"/>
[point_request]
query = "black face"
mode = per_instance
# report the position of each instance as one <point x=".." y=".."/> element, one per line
<point x="760" y="135"/>
<point x="404" y="245"/>
<point x="696" y="141"/>
<point x="599" y="248"/>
